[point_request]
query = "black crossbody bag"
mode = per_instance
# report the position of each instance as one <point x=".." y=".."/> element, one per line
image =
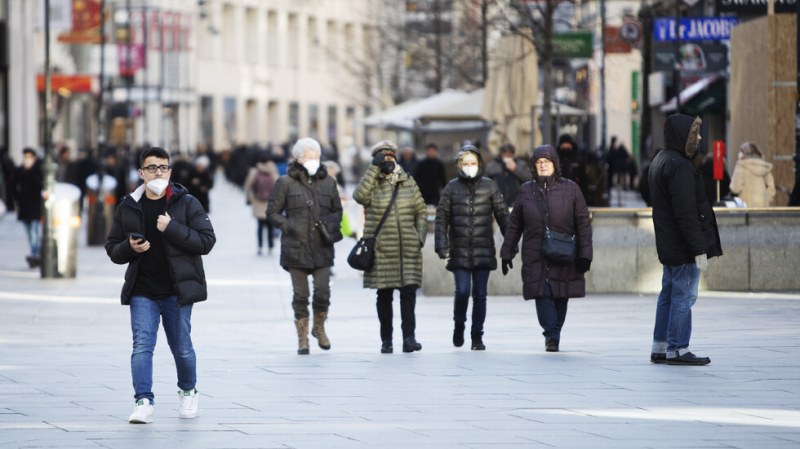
<point x="362" y="256"/>
<point x="557" y="247"/>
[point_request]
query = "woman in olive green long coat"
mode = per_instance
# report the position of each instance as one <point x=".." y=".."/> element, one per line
<point x="398" y="246"/>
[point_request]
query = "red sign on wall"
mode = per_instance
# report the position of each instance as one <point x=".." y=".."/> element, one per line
<point x="719" y="159"/>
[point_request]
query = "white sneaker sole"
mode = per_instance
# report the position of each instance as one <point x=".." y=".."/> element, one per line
<point x="135" y="420"/>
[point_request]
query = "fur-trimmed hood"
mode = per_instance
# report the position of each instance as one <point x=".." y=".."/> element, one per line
<point x="680" y="134"/>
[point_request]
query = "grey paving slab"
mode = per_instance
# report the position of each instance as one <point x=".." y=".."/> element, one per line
<point x="65" y="355"/>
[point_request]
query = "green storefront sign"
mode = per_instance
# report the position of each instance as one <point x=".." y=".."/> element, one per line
<point x="573" y="44"/>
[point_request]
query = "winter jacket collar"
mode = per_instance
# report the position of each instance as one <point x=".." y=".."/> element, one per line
<point x="173" y="189"/>
<point x="298" y="172"/>
<point x="756" y="166"/>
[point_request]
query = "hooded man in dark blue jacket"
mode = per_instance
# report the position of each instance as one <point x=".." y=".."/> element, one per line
<point x="686" y="237"/>
<point x="161" y="232"/>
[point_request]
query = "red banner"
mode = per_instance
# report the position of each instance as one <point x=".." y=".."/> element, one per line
<point x="67" y="84"/>
<point x="86" y="18"/>
<point x="719" y="159"/>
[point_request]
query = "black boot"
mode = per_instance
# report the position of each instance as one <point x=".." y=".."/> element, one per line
<point x="551" y="345"/>
<point x="386" y="347"/>
<point x="477" y="341"/>
<point x="410" y="344"/>
<point x="458" y="335"/>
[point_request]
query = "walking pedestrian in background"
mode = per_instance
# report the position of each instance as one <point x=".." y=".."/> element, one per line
<point x="549" y="202"/>
<point x="201" y="181"/>
<point x="398" y="247"/>
<point x="160" y="231"/>
<point x="686" y="236"/>
<point x="465" y="237"/>
<point x="752" y="177"/>
<point x="509" y="172"/>
<point x="258" y="188"/>
<point x="304" y="200"/>
<point x="28" y="185"/>
<point x="430" y="175"/>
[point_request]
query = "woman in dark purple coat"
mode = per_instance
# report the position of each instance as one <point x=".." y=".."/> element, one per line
<point x="560" y="200"/>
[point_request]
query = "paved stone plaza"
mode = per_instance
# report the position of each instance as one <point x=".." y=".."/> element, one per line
<point x="65" y="377"/>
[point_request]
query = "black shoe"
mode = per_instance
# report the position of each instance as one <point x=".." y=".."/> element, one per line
<point x="688" y="359"/>
<point x="302" y="351"/>
<point x="551" y="345"/>
<point x="658" y="358"/>
<point x="386" y="347"/>
<point x="458" y="335"/>
<point x="410" y="344"/>
<point x="477" y="342"/>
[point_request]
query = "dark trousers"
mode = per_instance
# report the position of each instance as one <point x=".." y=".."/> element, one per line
<point x="322" y="290"/>
<point x="552" y="312"/>
<point x="264" y="223"/>
<point x="475" y="282"/>
<point x="408" y="301"/>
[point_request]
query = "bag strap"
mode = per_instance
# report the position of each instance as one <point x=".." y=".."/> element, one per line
<point x="310" y="203"/>
<point x="542" y="209"/>
<point x="386" y="214"/>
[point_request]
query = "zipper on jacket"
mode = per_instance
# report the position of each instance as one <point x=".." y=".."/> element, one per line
<point x="399" y="234"/>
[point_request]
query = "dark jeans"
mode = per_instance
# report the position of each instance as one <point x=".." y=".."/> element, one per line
<point x="264" y="223"/>
<point x="476" y="281"/>
<point x="322" y="290"/>
<point x="552" y="313"/>
<point x="408" y="301"/>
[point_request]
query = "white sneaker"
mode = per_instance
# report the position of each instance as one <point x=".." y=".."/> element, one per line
<point x="142" y="412"/>
<point x="189" y="403"/>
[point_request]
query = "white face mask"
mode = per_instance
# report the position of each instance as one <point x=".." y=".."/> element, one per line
<point x="471" y="171"/>
<point x="311" y="166"/>
<point x="157" y="185"/>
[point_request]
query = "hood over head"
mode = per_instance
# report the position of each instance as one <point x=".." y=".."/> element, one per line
<point x="547" y="152"/>
<point x="470" y="149"/>
<point x="681" y="133"/>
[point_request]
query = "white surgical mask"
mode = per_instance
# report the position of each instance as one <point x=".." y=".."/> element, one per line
<point x="311" y="166"/>
<point x="157" y="185"/>
<point x="471" y="171"/>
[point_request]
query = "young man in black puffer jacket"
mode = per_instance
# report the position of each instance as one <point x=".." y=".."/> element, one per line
<point x="161" y="232"/>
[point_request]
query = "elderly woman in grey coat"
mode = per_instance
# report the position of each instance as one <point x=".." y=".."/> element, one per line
<point x="398" y="246"/>
<point x="303" y="201"/>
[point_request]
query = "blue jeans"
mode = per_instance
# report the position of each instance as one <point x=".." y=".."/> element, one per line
<point x="476" y="281"/>
<point x="34" y="234"/>
<point x="145" y="316"/>
<point x="673" y="327"/>
<point x="552" y="312"/>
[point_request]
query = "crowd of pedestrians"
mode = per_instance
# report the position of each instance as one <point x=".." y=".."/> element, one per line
<point x="161" y="230"/>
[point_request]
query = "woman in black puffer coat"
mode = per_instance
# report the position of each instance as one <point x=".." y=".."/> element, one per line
<point x="550" y="284"/>
<point x="465" y="236"/>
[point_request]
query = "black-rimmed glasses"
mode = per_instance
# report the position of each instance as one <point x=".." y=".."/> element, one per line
<point x="153" y="168"/>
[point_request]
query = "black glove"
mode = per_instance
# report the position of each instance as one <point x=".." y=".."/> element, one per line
<point x="583" y="264"/>
<point x="506" y="265"/>
<point x="378" y="158"/>
<point x="442" y="253"/>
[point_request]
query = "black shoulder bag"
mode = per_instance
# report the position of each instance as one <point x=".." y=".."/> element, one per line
<point x="362" y="256"/>
<point x="557" y="248"/>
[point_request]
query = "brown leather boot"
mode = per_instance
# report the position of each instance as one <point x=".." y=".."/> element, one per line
<point x="318" y="331"/>
<point x="302" y="335"/>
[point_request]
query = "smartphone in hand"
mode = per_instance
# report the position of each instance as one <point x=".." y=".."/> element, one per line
<point x="139" y="238"/>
